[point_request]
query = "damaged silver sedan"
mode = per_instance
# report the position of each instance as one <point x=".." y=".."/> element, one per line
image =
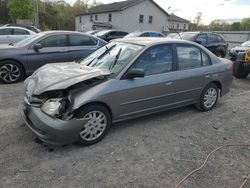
<point x="127" y="78"/>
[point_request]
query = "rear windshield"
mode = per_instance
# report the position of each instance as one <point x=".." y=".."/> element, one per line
<point x="187" y="36"/>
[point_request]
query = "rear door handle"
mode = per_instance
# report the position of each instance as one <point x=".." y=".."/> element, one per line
<point x="169" y="83"/>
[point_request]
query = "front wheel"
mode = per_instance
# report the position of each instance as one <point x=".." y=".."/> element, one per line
<point x="10" y="72"/>
<point x="98" y="122"/>
<point x="208" y="98"/>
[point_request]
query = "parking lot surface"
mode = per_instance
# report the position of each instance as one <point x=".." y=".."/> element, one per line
<point x="154" y="151"/>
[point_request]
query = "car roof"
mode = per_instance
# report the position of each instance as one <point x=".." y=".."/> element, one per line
<point x="148" y="41"/>
<point x="16" y="27"/>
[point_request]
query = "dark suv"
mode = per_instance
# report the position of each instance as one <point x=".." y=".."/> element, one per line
<point x="212" y="41"/>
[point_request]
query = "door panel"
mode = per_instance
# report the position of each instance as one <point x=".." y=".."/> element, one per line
<point x="145" y="95"/>
<point x="53" y="50"/>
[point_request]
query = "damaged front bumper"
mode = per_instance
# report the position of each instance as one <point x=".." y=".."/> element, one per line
<point x="50" y="129"/>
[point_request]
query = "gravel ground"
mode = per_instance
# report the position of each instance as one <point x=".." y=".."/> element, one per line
<point x="155" y="151"/>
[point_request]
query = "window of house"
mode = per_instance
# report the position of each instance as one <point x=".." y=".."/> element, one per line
<point x="80" y="19"/>
<point x="178" y="26"/>
<point x="96" y="17"/>
<point x="150" y="19"/>
<point x="172" y="25"/>
<point x="91" y="17"/>
<point x="189" y="57"/>
<point x="110" y="17"/>
<point x="184" y="26"/>
<point x="141" y="18"/>
<point x="155" y="60"/>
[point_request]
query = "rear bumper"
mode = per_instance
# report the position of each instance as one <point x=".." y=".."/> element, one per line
<point x="49" y="129"/>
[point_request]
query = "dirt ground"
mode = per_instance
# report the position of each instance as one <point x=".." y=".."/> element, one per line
<point x="155" y="151"/>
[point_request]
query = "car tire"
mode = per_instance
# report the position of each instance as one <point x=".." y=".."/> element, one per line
<point x="97" y="126"/>
<point x="208" y="98"/>
<point x="10" y="72"/>
<point x="220" y="54"/>
<point x="238" y="71"/>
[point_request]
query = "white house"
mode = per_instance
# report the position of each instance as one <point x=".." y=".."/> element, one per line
<point x="130" y="15"/>
<point x="177" y="24"/>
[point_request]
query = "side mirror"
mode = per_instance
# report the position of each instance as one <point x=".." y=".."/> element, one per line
<point x="37" y="47"/>
<point x="135" y="73"/>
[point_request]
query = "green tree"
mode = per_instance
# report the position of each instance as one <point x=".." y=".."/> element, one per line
<point x="4" y="17"/>
<point x="20" y="9"/>
<point x="245" y="24"/>
<point x="235" y="26"/>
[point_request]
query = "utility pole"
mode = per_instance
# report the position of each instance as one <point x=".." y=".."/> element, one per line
<point x="36" y="10"/>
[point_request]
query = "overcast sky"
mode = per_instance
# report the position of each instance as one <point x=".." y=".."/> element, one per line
<point x="211" y="9"/>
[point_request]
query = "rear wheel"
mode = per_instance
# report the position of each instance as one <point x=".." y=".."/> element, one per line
<point x="238" y="71"/>
<point x="208" y="98"/>
<point x="98" y="122"/>
<point x="10" y="72"/>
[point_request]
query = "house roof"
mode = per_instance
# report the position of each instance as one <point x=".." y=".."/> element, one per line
<point x="116" y="7"/>
<point x="177" y="18"/>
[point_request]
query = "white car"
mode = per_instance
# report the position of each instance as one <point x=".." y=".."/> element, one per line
<point x="11" y="35"/>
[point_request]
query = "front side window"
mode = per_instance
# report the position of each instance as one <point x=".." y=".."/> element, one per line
<point x="78" y="40"/>
<point x="155" y="60"/>
<point x="202" y="39"/>
<point x="20" y="32"/>
<point x="114" y="56"/>
<point x="54" y="41"/>
<point x="141" y="18"/>
<point x="5" y="31"/>
<point x="189" y="57"/>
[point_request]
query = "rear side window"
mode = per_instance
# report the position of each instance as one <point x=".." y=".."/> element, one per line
<point x="78" y="40"/>
<point x="54" y="41"/>
<point x="189" y="57"/>
<point x="211" y="38"/>
<point x="205" y="59"/>
<point x="120" y="33"/>
<point x="5" y="31"/>
<point x="145" y="35"/>
<point x="20" y="32"/>
<point x="202" y="39"/>
<point x="220" y="38"/>
<point x="156" y="60"/>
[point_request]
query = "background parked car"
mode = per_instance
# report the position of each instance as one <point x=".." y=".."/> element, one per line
<point x="92" y="32"/>
<point x="109" y="35"/>
<point x="29" y="27"/>
<point x="239" y="49"/>
<point x="12" y="34"/>
<point x="173" y="36"/>
<point x="144" y="34"/>
<point x="125" y="79"/>
<point x="212" y="41"/>
<point x="25" y="57"/>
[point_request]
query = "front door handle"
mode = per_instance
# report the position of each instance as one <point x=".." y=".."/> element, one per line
<point x="207" y="76"/>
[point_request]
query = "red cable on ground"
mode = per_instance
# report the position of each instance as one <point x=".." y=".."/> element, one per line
<point x="206" y="160"/>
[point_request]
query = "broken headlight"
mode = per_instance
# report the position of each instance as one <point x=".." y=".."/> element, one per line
<point x="52" y="107"/>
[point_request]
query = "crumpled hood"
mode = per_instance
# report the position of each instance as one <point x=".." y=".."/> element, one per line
<point x="59" y="76"/>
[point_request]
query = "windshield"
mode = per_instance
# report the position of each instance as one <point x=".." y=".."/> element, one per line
<point x="186" y="36"/>
<point x="246" y="44"/>
<point x="114" y="56"/>
<point x="134" y="34"/>
<point x="28" y="40"/>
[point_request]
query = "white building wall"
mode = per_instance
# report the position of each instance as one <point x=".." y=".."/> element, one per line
<point x="128" y="19"/>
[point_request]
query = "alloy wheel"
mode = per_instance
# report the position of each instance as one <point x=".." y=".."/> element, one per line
<point x="95" y="125"/>
<point x="10" y="73"/>
<point x="210" y="98"/>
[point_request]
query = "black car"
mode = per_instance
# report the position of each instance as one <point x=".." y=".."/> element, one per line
<point x="144" y="34"/>
<point x="239" y="49"/>
<point x="212" y="41"/>
<point x="109" y="35"/>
